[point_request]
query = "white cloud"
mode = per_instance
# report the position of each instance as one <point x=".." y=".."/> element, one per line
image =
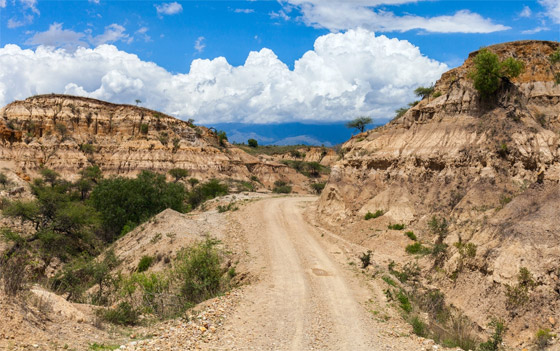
<point x="279" y="15"/>
<point x="244" y="10"/>
<point x="526" y="12"/>
<point x="171" y="8"/>
<point x="553" y="9"/>
<point x="535" y="30"/>
<point x="27" y="11"/>
<point x="58" y="37"/>
<point x="94" y="1"/>
<point x="143" y="34"/>
<point x="199" y="44"/>
<point x="113" y="33"/>
<point x="345" y="75"/>
<point x="342" y="15"/>
<point x="2" y="4"/>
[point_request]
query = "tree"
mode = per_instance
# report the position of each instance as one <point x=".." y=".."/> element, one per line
<point x="359" y="123"/>
<point x="138" y="101"/>
<point x="252" y="143"/>
<point x="424" y="91"/>
<point x="489" y="71"/>
<point x="178" y="173"/>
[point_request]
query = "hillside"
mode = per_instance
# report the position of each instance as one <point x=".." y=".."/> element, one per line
<point x="488" y="168"/>
<point x="69" y="133"/>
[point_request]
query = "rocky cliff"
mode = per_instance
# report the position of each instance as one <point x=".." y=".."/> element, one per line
<point x="68" y="133"/>
<point x="489" y="166"/>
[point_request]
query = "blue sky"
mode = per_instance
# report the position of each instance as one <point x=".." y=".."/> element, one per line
<point x="253" y="61"/>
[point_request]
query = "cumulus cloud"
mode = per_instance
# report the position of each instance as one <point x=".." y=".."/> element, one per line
<point x="342" y="15"/>
<point x="199" y="44"/>
<point x="552" y="9"/>
<point x="2" y="4"/>
<point x="345" y="75"/>
<point x="171" y="8"/>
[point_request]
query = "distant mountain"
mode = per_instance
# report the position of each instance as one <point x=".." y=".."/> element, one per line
<point x="288" y="133"/>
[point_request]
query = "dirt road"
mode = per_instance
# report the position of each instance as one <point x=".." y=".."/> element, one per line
<point x="305" y="299"/>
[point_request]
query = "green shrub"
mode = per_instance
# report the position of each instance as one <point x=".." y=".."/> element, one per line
<point x="418" y="327"/>
<point x="543" y="337"/>
<point x="388" y="280"/>
<point x="417" y="249"/>
<point x="123" y="314"/>
<point x="199" y="271"/>
<point x="252" y="143"/>
<point x="229" y="207"/>
<point x="178" y="173"/>
<point x="281" y="187"/>
<point x="87" y="148"/>
<point x="495" y="341"/>
<point x="222" y="137"/>
<point x="404" y="302"/>
<point x="410" y="234"/>
<point x="125" y="201"/>
<point x="370" y="215"/>
<point x="489" y="71"/>
<point x="554" y="57"/>
<point x="206" y="191"/>
<point x="400" y="112"/>
<point x="145" y="263"/>
<point x="318" y="187"/>
<point x="396" y="226"/>
<point x="436" y="94"/>
<point x="144" y="128"/>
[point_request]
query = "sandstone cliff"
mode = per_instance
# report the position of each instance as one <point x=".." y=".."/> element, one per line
<point x="491" y="167"/>
<point x="68" y="133"/>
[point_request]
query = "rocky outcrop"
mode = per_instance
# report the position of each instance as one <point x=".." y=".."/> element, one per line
<point x="68" y="133"/>
<point x="491" y="167"/>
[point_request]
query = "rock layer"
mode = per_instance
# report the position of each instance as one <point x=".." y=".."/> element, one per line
<point x="491" y="167"/>
<point x="68" y="133"/>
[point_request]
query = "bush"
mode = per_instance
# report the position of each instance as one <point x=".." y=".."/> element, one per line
<point x="417" y="249"/>
<point x="178" y="173"/>
<point x="493" y="344"/>
<point x="281" y="187"/>
<point x="366" y="259"/>
<point x="489" y="71"/>
<point x="252" y="143"/>
<point x="370" y="215"/>
<point x="404" y="301"/>
<point x="206" y="191"/>
<point x="123" y="201"/>
<point x="222" y="137"/>
<point x="144" y="128"/>
<point x="145" y="263"/>
<point x="123" y="314"/>
<point x="411" y="235"/>
<point x="199" y="271"/>
<point x="87" y="148"/>
<point x="396" y="226"/>
<point x="400" y="112"/>
<point x="543" y="337"/>
<point x="318" y="187"/>
<point x="418" y="327"/>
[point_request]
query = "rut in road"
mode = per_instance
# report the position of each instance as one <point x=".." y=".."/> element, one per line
<point x="304" y="300"/>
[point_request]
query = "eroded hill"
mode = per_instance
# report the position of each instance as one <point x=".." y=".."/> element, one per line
<point x="487" y="167"/>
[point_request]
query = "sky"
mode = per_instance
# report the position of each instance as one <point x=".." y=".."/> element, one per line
<point x="310" y="61"/>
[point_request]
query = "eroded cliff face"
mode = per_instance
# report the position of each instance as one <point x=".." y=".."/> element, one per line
<point x="491" y="167"/>
<point x="68" y="133"/>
